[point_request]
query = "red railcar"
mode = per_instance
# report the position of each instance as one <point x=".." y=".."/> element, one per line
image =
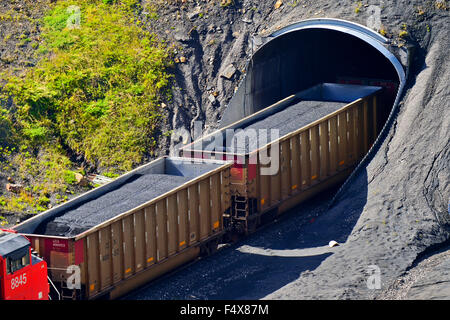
<point x="23" y="276"/>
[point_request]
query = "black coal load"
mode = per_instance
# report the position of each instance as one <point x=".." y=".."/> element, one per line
<point x="286" y="121"/>
<point x="135" y="192"/>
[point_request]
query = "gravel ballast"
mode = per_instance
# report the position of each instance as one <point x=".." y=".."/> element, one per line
<point x="128" y="196"/>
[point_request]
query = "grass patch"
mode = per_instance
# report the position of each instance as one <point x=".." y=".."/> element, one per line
<point x="96" y="93"/>
<point x="99" y="91"/>
<point x="358" y="7"/>
<point x="69" y="177"/>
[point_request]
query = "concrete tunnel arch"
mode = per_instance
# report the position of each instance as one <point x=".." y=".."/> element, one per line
<point x="312" y="51"/>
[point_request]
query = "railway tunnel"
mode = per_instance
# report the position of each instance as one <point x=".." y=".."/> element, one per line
<point x="316" y="51"/>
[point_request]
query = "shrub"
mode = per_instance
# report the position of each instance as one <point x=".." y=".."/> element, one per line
<point x="6" y="128"/>
<point x="36" y="133"/>
<point x="69" y="177"/>
<point x="44" y="201"/>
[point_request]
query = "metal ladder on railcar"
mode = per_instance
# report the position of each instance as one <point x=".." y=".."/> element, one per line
<point x="68" y="293"/>
<point x="243" y="210"/>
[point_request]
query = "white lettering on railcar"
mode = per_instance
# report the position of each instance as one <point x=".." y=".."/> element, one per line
<point x="18" y="281"/>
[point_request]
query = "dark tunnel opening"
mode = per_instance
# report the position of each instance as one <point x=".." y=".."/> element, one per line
<point x="301" y="59"/>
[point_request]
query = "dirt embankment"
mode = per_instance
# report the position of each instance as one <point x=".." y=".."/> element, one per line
<point x="20" y="33"/>
<point x="428" y="278"/>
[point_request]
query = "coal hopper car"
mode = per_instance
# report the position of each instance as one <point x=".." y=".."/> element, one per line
<point x="143" y="224"/>
<point x="321" y="134"/>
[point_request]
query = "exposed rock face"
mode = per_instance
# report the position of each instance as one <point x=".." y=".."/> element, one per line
<point x="15" y="188"/>
<point x="214" y="37"/>
<point x="229" y="72"/>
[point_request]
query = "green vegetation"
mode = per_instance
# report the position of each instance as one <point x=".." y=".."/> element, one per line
<point x="44" y="201"/>
<point x="441" y="5"/>
<point x="69" y="177"/>
<point x="358" y="7"/>
<point x="294" y="3"/>
<point x="3" y="221"/>
<point x="99" y="92"/>
<point x="226" y="3"/>
<point x="6" y="128"/>
<point x="110" y="175"/>
<point x="96" y="93"/>
<point x="404" y="32"/>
